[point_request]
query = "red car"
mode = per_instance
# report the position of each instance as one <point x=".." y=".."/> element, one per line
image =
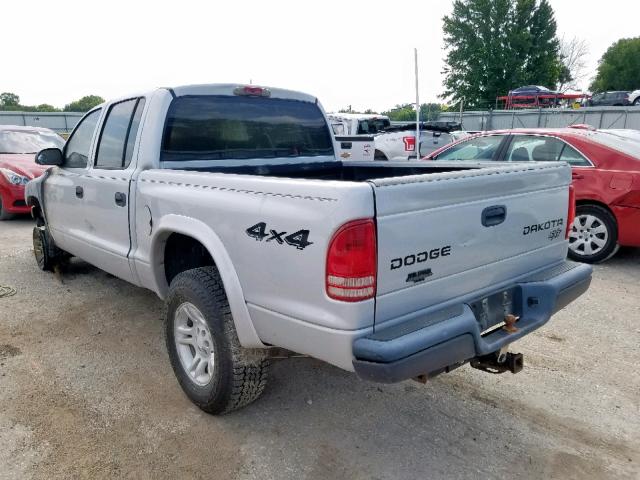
<point x="18" y="146"/>
<point x="606" y="177"/>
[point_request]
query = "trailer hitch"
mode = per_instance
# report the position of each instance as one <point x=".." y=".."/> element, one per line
<point x="499" y="362"/>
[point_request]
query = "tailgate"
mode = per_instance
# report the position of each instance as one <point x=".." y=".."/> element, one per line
<point x="445" y="236"/>
<point x="355" y="147"/>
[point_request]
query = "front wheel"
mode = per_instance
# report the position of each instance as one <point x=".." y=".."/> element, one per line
<point x="593" y="236"/>
<point x="43" y="249"/>
<point x="213" y="369"/>
<point x="636" y="102"/>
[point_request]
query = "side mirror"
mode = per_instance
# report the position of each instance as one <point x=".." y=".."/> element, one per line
<point x="49" y="156"/>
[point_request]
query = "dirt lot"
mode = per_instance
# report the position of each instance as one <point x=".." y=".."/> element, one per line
<point x="86" y="391"/>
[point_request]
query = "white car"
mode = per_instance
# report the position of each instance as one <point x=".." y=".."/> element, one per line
<point x="634" y="97"/>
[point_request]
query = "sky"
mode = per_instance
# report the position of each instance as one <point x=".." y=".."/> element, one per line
<point x="344" y="52"/>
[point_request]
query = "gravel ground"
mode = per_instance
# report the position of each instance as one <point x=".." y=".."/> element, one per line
<point x="86" y="391"/>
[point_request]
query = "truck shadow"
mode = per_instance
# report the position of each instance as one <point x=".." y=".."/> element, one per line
<point x="343" y="427"/>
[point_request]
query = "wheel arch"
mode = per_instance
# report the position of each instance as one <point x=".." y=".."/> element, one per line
<point x="597" y="203"/>
<point x="205" y="236"/>
<point x="36" y="209"/>
<point x="380" y="155"/>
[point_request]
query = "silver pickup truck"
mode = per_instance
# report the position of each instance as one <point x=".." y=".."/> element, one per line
<point x="229" y="202"/>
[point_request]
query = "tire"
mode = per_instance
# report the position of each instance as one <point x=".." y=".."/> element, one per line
<point x="45" y="251"/>
<point x="593" y="236"/>
<point x="4" y="215"/>
<point x="199" y="324"/>
<point x="636" y="102"/>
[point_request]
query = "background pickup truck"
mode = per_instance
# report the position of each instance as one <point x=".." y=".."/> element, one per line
<point x="398" y="142"/>
<point x="229" y="203"/>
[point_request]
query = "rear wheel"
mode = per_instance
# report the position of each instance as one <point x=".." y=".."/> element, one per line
<point x="4" y="215"/>
<point x="213" y="369"/>
<point x="594" y="234"/>
<point x="636" y="102"/>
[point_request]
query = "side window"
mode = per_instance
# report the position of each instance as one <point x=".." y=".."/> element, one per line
<point x="524" y="148"/>
<point x="479" y="148"/>
<point x="76" y="151"/>
<point x="133" y="133"/>
<point x="573" y="157"/>
<point x="115" y="146"/>
<point x="363" y="127"/>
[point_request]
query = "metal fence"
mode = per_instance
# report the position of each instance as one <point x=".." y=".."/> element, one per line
<point x="598" y="117"/>
<point x="61" y="122"/>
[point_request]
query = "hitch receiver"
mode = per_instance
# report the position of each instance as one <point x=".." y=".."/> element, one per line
<point x="499" y="362"/>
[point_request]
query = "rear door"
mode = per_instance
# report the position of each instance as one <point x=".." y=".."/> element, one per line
<point x="106" y="190"/>
<point x="448" y="235"/>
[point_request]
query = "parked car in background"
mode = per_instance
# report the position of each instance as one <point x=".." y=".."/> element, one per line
<point x="610" y="99"/>
<point x="532" y="90"/>
<point x="357" y="123"/>
<point x="634" y="97"/>
<point x="606" y="176"/>
<point x="18" y="146"/>
<point x="353" y="133"/>
<point x="532" y="93"/>
<point x="398" y="142"/>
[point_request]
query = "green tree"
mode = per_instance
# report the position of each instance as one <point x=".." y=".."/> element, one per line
<point x="84" y="104"/>
<point x="619" y="67"/>
<point x="8" y="99"/>
<point x="494" y="46"/>
<point x="407" y="112"/>
<point x="45" y="107"/>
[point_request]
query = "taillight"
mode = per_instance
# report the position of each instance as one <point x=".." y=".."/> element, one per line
<point x="351" y="262"/>
<point x="571" y="212"/>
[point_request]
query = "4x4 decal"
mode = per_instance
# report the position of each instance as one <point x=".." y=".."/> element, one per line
<point x="299" y="239"/>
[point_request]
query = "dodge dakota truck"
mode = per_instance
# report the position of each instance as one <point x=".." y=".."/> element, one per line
<point x="229" y="202"/>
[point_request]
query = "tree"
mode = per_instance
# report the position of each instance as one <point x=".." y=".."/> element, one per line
<point x="45" y="107"/>
<point x="407" y="112"/>
<point x="84" y="104"/>
<point x="8" y="99"/>
<point x="494" y="46"/>
<point x="619" y="67"/>
<point x="572" y="55"/>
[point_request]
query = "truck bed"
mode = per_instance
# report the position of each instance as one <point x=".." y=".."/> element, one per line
<point x="335" y="170"/>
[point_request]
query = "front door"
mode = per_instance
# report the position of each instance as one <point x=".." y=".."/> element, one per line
<point x="64" y="187"/>
<point x="107" y="189"/>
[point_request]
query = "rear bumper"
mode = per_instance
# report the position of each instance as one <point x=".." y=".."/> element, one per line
<point x="446" y="339"/>
<point x="13" y="199"/>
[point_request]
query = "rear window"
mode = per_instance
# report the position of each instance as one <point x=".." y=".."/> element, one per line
<point x="223" y="127"/>
<point x="372" y="125"/>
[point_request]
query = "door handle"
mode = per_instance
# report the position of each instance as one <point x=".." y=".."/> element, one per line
<point x="121" y="199"/>
<point x="577" y="176"/>
<point x="495" y="215"/>
<point x="79" y="192"/>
